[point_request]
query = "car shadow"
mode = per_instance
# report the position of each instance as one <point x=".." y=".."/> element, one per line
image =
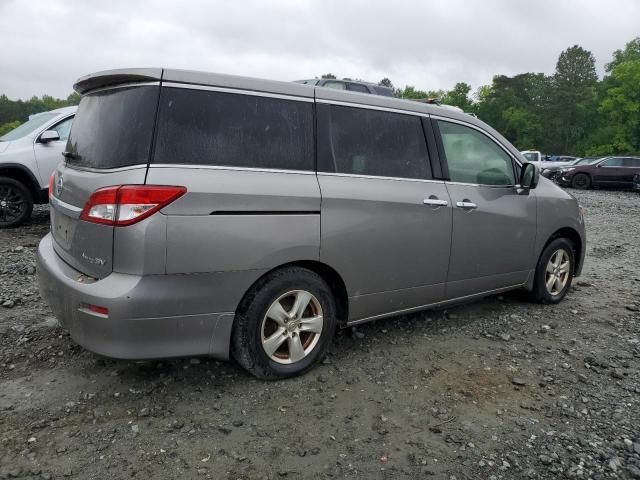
<point x="385" y="334"/>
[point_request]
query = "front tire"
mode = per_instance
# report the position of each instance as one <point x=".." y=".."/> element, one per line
<point x="16" y="203"/>
<point x="284" y="324"/>
<point x="554" y="272"/>
<point x="581" y="181"/>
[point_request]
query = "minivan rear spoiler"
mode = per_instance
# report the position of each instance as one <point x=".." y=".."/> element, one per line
<point x="108" y="78"/>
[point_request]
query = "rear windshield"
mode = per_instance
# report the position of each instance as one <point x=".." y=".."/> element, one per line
<point x="113" y="128"/>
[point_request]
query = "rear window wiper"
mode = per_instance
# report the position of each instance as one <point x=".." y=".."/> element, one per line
<point x="70" y="155"/>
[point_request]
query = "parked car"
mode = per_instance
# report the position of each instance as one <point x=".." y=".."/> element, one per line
<point x="534" y="156"/>
<point x="606" y="172"/>
<point x="210" y="242"/>
<point x="28" y="155"/>
<point x="552" y="171"/>
<point x="350" y="86"/>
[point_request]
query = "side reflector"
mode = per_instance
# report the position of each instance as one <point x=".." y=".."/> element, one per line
<point x="95" y="309"/>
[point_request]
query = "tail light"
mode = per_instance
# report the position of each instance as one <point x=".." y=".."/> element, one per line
<point x="123" y="205"/>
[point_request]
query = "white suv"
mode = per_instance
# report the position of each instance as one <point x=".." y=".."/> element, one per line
<point x="28" y="155"/>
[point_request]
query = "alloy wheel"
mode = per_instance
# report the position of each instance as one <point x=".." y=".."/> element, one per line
<point x="292" y="327"/>
<point x="13" y="205"/>
<point x="558" y="271"/>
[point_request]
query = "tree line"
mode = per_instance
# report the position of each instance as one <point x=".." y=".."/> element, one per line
<point x="15" y="112"/>
<point x="571" y="111"/>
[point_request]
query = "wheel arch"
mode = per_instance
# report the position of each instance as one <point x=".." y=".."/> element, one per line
<point x="328" y="274"/>
<point x="22" y="174"/>
<point x="578" y="245"/>
<point x="573" y="236"/>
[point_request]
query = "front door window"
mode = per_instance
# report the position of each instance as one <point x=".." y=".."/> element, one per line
<point x="474" y="158"/>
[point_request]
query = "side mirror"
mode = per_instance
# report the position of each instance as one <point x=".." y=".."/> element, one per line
<point x="529" y="176"/>
<point x="49" y="136"/>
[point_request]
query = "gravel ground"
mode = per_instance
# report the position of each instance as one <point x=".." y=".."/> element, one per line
<point x="497" y="389"/>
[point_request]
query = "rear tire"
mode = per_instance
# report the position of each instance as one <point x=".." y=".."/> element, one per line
<point x="16" y="203"/>
<point x="581" y="181"/>
<point x="284" y="324"/>
<point x="554" y="272"/>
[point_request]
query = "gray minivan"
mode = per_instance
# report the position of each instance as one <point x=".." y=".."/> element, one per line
<point x="206" y="214"/>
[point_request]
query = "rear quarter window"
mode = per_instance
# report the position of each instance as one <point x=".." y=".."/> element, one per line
<point x="202" y="127"/>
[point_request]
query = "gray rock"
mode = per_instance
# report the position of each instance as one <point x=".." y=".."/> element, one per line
<point x="357" y="333"/>
<point x="545" y="459"/>
<point x="617" y="373"/>
<point x="615" y="463"/>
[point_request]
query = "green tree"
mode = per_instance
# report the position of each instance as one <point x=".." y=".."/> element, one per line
<point x="411" y="93"/>
<point x="7" y="127"/>
<point x="619" y="130"/>
<point x="459" y="97"/>
<point x="385" y="82"/>
<point x="19" y="110"/>
<point x="573" y="99"/>
<point x="329" y="75"/>
<point x="630" y="53"/>
<point x="517" y="107"/>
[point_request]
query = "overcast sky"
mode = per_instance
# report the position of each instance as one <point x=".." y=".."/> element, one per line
<point x="430" y="44"/>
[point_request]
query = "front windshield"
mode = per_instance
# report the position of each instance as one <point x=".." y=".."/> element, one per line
<point x="531" y="157"/>
<point x="28" y="127"/>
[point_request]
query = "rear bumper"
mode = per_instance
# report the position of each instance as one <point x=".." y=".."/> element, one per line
<point x="150" y="316"/>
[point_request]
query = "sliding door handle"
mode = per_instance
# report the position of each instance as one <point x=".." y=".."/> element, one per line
<point x="466" y="204"/>
<point x="435" y="202"/>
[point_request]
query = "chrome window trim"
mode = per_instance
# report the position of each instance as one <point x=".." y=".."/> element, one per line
<point x="371" y="107"/>
<point x="481" y="185"/>
<point x="481" y="130"/>
<point x="223" y="167"/>
<point x="122" y="85"/>
<point x="403" y="179"/>
<point x="255" y="93"/>
<point x="106" y="170"/>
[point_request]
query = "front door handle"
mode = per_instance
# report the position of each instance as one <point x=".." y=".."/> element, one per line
<point x="466" y="204"/>
<point x="435" y="202"/>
